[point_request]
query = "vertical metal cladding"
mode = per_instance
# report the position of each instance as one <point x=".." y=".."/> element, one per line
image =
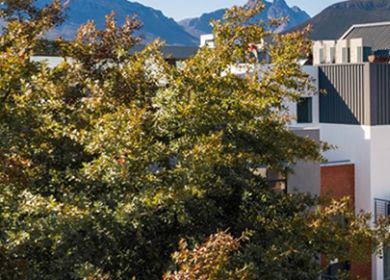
<point x="343" y="96"/>
<point x="380" y="93"/>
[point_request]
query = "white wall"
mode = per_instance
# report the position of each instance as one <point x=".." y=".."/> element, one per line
<point x="337" y="57"/>
<point x="380" y="174"/>
<point x="306" y="177"/>
<point x="329" y="57"/>
<point x="207" y="40"/>
<point x="51" y="61"/>
<point x="354" y="45"/>
<point x="317" y="46"/>
<point x="353" y="142"/>
<point x="380" y="162"/>
<point x="341" y="44"/>
<point x="369" y="148"/>
<point x="292" y="106"/>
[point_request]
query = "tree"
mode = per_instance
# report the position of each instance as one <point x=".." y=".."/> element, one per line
<point x="108" y="160"/>
<point x="208" y="261"/>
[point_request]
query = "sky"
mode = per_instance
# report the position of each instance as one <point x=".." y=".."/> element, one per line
<point x="181" y="9"/>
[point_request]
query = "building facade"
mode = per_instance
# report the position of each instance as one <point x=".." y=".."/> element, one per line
<point x="352" y="112"/>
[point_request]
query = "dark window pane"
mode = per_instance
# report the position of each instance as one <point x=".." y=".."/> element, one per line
<point x="304" y="110"/>
<point x="334" y="270"/>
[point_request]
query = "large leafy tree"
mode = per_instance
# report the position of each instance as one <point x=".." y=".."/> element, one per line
<point x="111" y="158"/>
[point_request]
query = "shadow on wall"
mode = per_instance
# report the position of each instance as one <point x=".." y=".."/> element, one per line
<point x="343" y="100"/>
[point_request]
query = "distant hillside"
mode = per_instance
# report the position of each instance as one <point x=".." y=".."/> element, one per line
<point x="201" y="25"/>
<point x="335" y="20"/>
<point x="155" y="24"/>
<point x="277" y="9"/>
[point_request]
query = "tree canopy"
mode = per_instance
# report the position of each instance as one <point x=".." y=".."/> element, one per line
<point x="109" y="159"/>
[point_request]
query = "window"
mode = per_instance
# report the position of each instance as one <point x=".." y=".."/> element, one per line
<point x="322" y="56"/>
<point x="345" y="55"/>
<point x="334" y="270"/>
<point x="275" y="180"/>
<point x="367" y="51"/>
<point x="359" y="53"/>
<point x="332" y="51"/>
<point x="304" y="110"/>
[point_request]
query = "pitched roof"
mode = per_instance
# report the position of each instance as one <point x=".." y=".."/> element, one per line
<point x="375" y="35"/>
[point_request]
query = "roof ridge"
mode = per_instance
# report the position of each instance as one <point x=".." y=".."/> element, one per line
<point x="372" y="24"/>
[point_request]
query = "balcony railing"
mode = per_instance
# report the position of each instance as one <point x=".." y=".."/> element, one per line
<point x="335" y="271"/>
<point x="382" y="208"/>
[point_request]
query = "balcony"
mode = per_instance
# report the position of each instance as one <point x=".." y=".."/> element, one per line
<point x="381" y="208"/>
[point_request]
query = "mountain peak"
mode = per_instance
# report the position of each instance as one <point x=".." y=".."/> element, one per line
<point x="155" y="23"/>
<point x="296" y="9"/>
<point x="276" y="9"/>
<point x="280" y="4"/>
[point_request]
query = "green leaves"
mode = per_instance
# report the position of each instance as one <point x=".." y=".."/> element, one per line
<point x="109" y="159"/>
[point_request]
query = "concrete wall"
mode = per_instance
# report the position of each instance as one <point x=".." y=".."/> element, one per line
<point x="207" y="40"/>
<point x="354" y="45"/>
<point x="352" y="142"/>
<point x="317" y="46"/>
<point x="332" y="51"/>
<point x="340" y="45"/>
<point x="369" y="148"/>
<point x="307" y="175"/>
<point x="380" y="176"/>
<point x="324" y="49"/>
<point x="380" y="162"/>
<point x="330" y="56"/>
<point x="292" y="106"/>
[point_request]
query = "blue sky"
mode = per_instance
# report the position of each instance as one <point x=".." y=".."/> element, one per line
<point x="180" y="9"/>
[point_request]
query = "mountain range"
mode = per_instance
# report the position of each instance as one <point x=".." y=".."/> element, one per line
<point x="155" y="23"/>
<point x="331" y="23"/>
<point x="276" y="9"/>
<point x="335" y="20"/>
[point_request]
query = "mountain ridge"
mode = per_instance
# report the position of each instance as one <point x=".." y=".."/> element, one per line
<point x="155" y="23"/>
<point x="276" y="9"/>
<point x="335" y="20"/>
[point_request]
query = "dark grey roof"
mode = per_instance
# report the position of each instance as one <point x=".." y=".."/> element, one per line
<point x="375" y="35"/>
<point x="172" y="52"/>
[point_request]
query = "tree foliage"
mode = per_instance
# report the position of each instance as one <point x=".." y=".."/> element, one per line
<point x="108" y="160"/>
<point x="208" y="261"/>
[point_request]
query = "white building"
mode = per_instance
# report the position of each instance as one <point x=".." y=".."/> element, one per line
<point x="354" y="46"/>
<point x="207" y="40"/>
<point x="353" y="115"/>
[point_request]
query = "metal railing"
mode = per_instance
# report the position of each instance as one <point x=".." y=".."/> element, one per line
<point x="381" y="208"/>
<point x="336" y="271"/>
